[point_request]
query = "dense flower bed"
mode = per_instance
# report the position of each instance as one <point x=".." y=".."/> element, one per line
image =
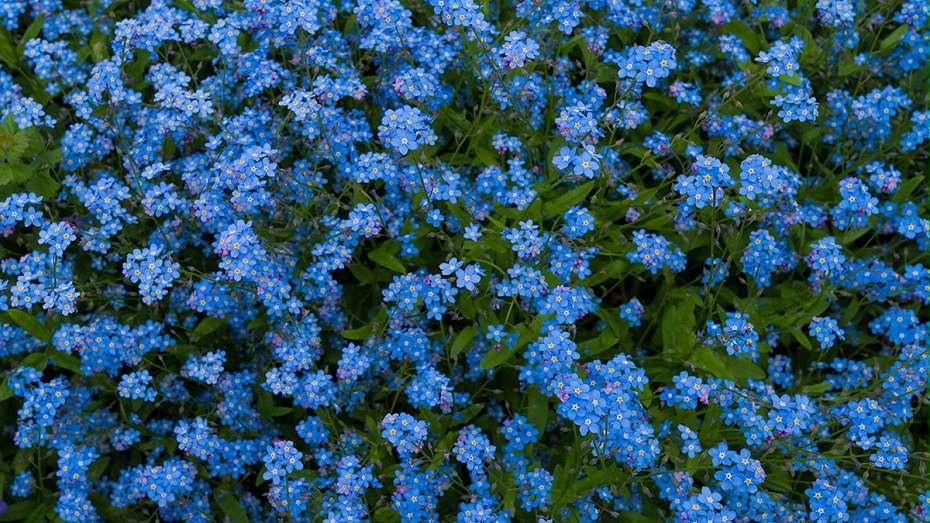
<point x="529" y="261"/>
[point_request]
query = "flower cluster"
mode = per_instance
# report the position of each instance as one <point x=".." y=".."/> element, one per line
<point x="521" y="261"/>
<point x="405" y="129"/>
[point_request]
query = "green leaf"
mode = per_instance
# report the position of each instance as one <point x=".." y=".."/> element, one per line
<point x="537" y="412"/>
<point x="614" y="269"/>
<point x="65" y="361"/>
<point x="30" y="324"/>
<point x="777" y="480"/>
<point x="7" y="50"/>
<point x="705" y="359"/>
<point x="98" y="46"/>
<point x="385" y="515"/>
<point x="13" y="145"/>
<point x="362" y="274"/>
<point x="275" y="412"/>
<point x="359" y="333"/>
<point x="811" y="134"/>
<point x="483" y="157"/>
<point x="208" y="325"/>
<point x="848" y="68"/>
<point x="5" y="391"/>
<point x="892" y="40"/>
<point x="561" y="204"/>
<point x="802" y="339"/>
<point x="662" y="99"/>
<point x="387" y="260"/>
<point x="266" y="408"/>
<point x="467" y="306"/>
<point x="634" y="517"/>
<point x="743" y="369"/>
<point x="509" y="499"/>
<point x="31" y="32"/>
<point x="231" y="508"/>
<point x="794" y="79"/>
<point x="15" y="173"/>
<point x="495" y="357"/>
<point x="819" y="388"/>
<point x="907" y="188"/>
<point x="605" y="341"/>
<point x="38" y="515"/>
<point x="43" y="184"/>
<point x="97" y="468"/>
<point x="135" y="69"/>
<point x="463" y="340"/>
<point x="19" y="511"/>
<point x="7" y="174"/>
<point x="677" y="328"/>
<point x="36" y="360"/>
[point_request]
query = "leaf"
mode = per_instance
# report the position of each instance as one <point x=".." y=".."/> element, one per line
<point x="537" y="412"/>
<point x="231" y="508"/>
<point x="31" y="32"/>
<point x="509" y="499"/>
<point x="463" y="340"/>
<point x="15" y="173"/>
<point x="18" y="511"/>
<point x="38" y="515"/>
<point x="387" y="260"/>
<point x="811" y="134"/>
<point x="43" y="184"/>
<point x="634" y="517"/>
<point x="848" y="68"/>
<point x="275" y="412"/>
<point x="483" y="157"/>
<point x="743" y="369"/>
<point x="266" y="408"/>
<point x="467" y="306"/>
<point x="605" y="341"/>
<point x="7" y="50"/>
<point x="362" y="274"/>
<point x="14" y="145"/>
<point x="561" y="204"/>
<point x="359" y="333"/>
<point x="851" y="310"/>
<point x="493" y="358"/>
<point x="36" y="360"/>
<point x="892" y="40"/>
<point x="5" y="391"/>
<point x="65" y="361"/>
<point x="777" y="480"/>
<point x="30" y="324"/>
<point x="136" y="68"/>
<point x="97" y="468"/>
<point x="802" y="339"/>
<point x="820" y="388"/>
<point x="373" y="430"/>
<point x="615" y="269"/>
<point x="98" y="46"/>
<point x="678" y="327"/>
<point x="907" y="188"/>
<point x="705" y="359"/>
<point x="385" y="515"/>
<point x="662" y="99"/>
<point x="208" y="325"/>
<point x="794" y="79"/>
